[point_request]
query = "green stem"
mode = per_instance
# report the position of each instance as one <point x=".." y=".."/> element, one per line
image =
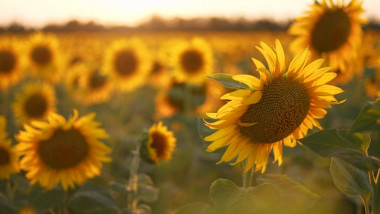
<point x="247" y="176"/>
<point x="132" y="187"/>
<point x="187" y="100"/>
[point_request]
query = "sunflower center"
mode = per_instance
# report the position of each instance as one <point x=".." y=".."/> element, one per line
<point x="126" y="63"/>
<point x="331" y="31"/>
<point x="97" y="80"/>
<point x="35" y="105"/>
<point x="191" y="61"/>
<point x="283" y="107"/>
<point x="5" y="158"/>
<point x="157" y="67"/>
<point x="7" y="61"/>
<point x="159" y="143"/>
<point x="41" y="55"/>
<point x="64" y="149"/>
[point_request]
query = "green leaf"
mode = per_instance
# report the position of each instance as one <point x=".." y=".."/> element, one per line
<point x="118" y="186"/>
<point x="92" y="202"/>
<point x="5" y="206"/>
<point x="227" y="81"/>
<point x="229" y="198"/>
<point x="294" y="196"/>
<point x="147" y="192"/>
<point x="351" y="180"/>
<point x="345" y="145"/>
<point x="43" y="199"/>
<point x="195" y="208"/>
<point x="367" y="117"/>
<point x="144" y="179"/>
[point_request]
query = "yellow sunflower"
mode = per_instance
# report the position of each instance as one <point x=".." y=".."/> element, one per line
<point x="28" y="210"/>
<point x="61" y="151"/>
<point x="127" y="62"/>
<point x="203" y="97"/>
<point x="332" y="31"/>
<point x="277" y="109"/>
<point x="159" y="76"/>
<point x="8" y="155"/>
<point x="11" y="69"/>
<point x="158" y="144"/>
<point x="35" y="102"/>
<point x="191" y="61"/>
<point x="43" y="56"/>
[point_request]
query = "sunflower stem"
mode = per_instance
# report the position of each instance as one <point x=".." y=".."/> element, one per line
<point x="132" y="200"/>
<point x="187" y="100"/>
<point x="247" y="176"/>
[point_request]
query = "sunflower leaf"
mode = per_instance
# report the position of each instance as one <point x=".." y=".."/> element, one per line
<point x="268" y="197"/>
<point x="351" y="180"/>
<point x="195" y="208"/>
<point x="228" y="82"/>
<point x="367" y="117"/>
<point x="92" y="202"/>
<point x="43" y="199"/>
<point x="351" y="147"/>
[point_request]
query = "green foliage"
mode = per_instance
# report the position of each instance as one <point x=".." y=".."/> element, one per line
<point x="351" y="180"/>
<point x="43" y="200"/>
<point x="376" y="197"/>
<point x="351" y="147"/>
<point x="275" y="194"/>
<point x="228" y="82"/>
<point x="195" y="208"/>
<point x="93" y="202"/>
<point x="367" y="117"/>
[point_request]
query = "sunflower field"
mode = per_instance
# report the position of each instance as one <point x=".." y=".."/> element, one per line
<point x="194" y="122"/>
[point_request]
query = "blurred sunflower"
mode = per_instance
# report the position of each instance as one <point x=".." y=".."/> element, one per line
<point x="8" y="155"/>
<point x="158" y="144"/>
<point x="191" y="61"/>
<point x="174" y="98"/>
<point x="43" y="56"/>
<point x="278" y="108"/>
<point x="159" y="76"/>
<point x="96" y="87"/>
<point x="127" y="62"/>
<point x="35" y="102"/>
<point x="372" y="83"/>
<point x="60" y="151"/>
<point x="332" y="31"/>
<point x="28" y="210"/>
<point x="11" y="69"/>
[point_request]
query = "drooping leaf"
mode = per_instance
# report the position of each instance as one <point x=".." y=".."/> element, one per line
<point x="147" y="192"/>
<point x="345" y="145"/>
<point x="351" y="180"/>
<point x="376" y="198"/>
<point x="229" y="198"/>
<point x="227" y="81"/>
<point x="92" y="202"/>
<point x="367" y="117"/>
<point x="144" y="179"/>
<point x="195" y="208"/>
<point x="118" y="186"/>
<point x="294" y="195"/>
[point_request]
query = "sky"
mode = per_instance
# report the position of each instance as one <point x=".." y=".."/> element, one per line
<point x="37" y="13"/>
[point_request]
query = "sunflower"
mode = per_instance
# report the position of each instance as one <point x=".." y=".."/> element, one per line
<point x="191" y="61"/>
<point x="158" y="144"/>
<point x="332" y="31"/>
<point x="43" y="56"/>
<point x="159" y="76"/>
<point x="28" y="210"/>
<point x="97" y="88"/>
<point x="277" y="109"/>
<point x="203" y="97"/>
<point x="60" y="151"/>
<point x="8" y="155"/>
<point x="127" y="62"/>
<point x="11" y="69"/>
<point x="35" y="102"/>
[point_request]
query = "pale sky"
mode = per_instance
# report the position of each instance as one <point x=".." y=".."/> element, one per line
<point x="38" y="13"/>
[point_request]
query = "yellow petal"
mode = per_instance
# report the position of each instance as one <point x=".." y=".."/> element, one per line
<point x="254" y="98"/>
